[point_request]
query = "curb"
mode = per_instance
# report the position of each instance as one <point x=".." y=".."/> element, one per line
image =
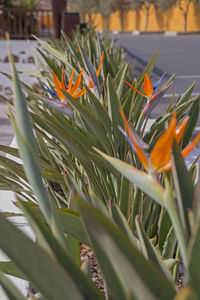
<point x="138" y="32"/>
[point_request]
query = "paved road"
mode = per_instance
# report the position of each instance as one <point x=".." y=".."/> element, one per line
<point x="180" y="55"/>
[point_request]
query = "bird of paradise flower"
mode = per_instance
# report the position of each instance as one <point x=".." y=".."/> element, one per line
<point x="73" y="90"/>
<point x="149" y="90"/>
<point x="159" y="159"/>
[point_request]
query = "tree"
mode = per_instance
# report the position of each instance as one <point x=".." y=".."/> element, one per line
<point x="83" y="7"/>
<point x="122" y="6"/>
<point x="105" y="8"/>
<point x="164" y="5"/>
<point x="184" y="6"/>
<point x="146" y="5"/>
<point x="58" y="6"/>
<point x="5" y="3"/>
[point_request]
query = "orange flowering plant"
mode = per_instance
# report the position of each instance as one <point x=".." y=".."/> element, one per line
<point x="149" y="90"/>
<point x="73" y="90"/>
<point x="81" y="179"/>
<point x="159" y="158"/>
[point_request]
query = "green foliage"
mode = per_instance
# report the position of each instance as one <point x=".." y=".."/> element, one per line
<point x="80" y="181"/>
<point x="163" y="5"/>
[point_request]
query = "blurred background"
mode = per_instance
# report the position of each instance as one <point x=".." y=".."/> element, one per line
<point x="23" y="17"/>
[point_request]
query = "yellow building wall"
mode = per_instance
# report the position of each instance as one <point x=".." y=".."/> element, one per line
<point x="171" y="20"/>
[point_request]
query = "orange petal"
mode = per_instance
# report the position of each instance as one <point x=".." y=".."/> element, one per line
<point x="101" y="61"/>
<point x="161" y="153"/>
<point x="134" y="88"/>
<point x="63" y="82"/>
<point x="191" y="146"/>
<point x="58" y="86"/>
<point x="70" y="82"/>
<point x="185" y="152"/>
<point x="90" y="84"/>
<point x="79" y="94"/>
<point x="140" y="153"/>
<point x="148" y="88"/>
<point x="77" y="83"/>
<point x="180" y="130"/>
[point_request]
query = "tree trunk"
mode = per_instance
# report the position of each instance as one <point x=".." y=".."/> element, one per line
<point x="185" y="14"/>
<point x="146" y="21"/>
<point x="89" y="16"/>
<point x="58" y="7"/>
<point x="106" y="23"/>
<point x="121" y="16"/>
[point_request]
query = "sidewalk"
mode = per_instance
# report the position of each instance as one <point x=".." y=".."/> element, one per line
<point x="23" y="60"/>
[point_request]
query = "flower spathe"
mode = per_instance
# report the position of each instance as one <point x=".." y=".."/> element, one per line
<point x="73" y="90"/>
<point x="160" y="157"/>
<point x="148" y="91"/>
<point x="147" y="86"/>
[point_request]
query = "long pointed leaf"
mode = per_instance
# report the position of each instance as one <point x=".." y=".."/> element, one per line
<point x="130" y="264"/>
<point x="12" y="292"/>
<point x="43" y="271"/>
<point x="144" y="181"/>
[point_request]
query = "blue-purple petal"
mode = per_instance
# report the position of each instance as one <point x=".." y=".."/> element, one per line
<point x="51" y="93"/>
<point x="158" y="82"/>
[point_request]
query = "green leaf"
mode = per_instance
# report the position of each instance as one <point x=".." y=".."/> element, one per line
<point x="47" y="241"/>
<point x="28" y="152"/>
<point x="91" y="120"/>
<point x="12" y="292"/>
<point x="42" y="270"/>
<point x="183" y="186"/>
<point x="125" y="197"/>
<point x="73" y="225"/>
<point x="119" y="79"/>
<point x="194" y="262"/>
<point x="53" y="50"/>
<point x="9" y="150"/>
<point x="9" y="268"/>
<point x="169" y="244"/>
<point x="172" y="210"/>
<point x="144" y="181"/>
<point x="185" y="97"/>
<point x="58" y="106"/>
<point x="164" y="227"/>
<point x="122" y="223"/>
<point x="150" y="252"/>
<point x="110" y="242"/>
<point x="90" y="69"/>
<point x="101" y="112"/>
<point x="194" y="116"/>
<point x="114" y="111"/>
<point x="27" y="145"/>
